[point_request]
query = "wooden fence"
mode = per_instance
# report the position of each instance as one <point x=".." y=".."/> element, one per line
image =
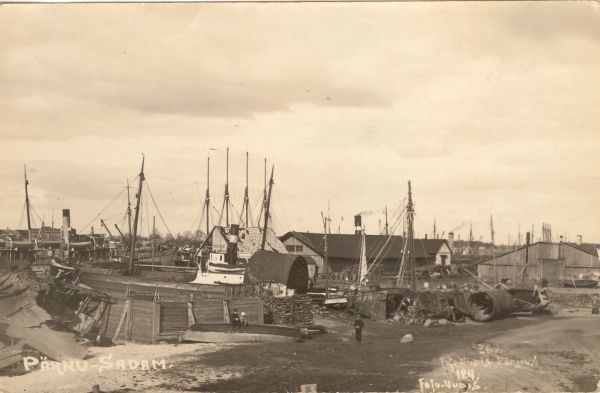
<point x="149" y="321"/>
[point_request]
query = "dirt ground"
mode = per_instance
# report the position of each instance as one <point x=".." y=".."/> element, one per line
<point x="559" y="352"/>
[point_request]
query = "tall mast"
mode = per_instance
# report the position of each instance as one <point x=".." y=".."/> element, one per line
<point x="207" y="198"/>
<point x="362" y="266"/>
<point x="434" y="229"/>
<point x="128" y="209"/>
<point x="246" y="199"/>
<point x="328" y="217"/>
<point x="245" y="206"/>
<point x="137" y="215"/>
<point x="226" y="201"/>
<point x="470" y="233"/>
<point x="402" y="263"/>
<point x="325" y="253"/>
<point x="493" y="256"/>
<point x="386" y="222"/>
<point x="411" y="212"/>
<point x="27" y="204"/>
<point x="153" y="239"/>
<point x="267" y="205"/>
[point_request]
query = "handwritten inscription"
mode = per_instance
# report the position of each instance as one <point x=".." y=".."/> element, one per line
<point x="432" y="385"/>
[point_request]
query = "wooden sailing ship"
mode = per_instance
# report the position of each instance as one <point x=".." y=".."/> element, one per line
<point x="376" y="303"/>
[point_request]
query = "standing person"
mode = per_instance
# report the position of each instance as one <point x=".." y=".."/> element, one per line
<point x="596" y="304"/>
<point x="358" y="326"/>
<point x="243" y="319"/>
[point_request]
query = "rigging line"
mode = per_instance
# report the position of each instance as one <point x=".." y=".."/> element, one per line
<point x="235" y="211"/>
<point x="221" y="213"/>
<point x="197" y="219"/>
<point x="113" y="216"/>
<point x="378" y="261"/>
<point x="147" y="216"/>
<point x="250" y="217"/>
<point x="382" y="241"/>
<point x="157" y="209"/>
<point x="281" y="209"/>
<point x="20" y="222"/>
<point x="35" y="213"/>
<point x="102" y="211"/>
<point x="201" y="221"/>
<point x="122" y="220"/>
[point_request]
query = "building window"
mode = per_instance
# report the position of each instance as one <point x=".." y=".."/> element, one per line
<point x="299" y="248"/>
<point x="290" y="248"/>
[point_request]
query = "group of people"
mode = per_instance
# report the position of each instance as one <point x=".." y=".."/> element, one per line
<point x="238" y="320"/>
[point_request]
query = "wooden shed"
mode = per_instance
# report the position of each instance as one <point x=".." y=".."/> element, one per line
<point x="551" y="261"/>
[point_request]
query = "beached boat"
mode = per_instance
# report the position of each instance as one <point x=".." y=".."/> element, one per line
<point x="217" y="333"/>
<point x="572" y="282"/>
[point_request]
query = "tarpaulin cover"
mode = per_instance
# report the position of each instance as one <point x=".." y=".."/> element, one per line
<point x="268" y="266"/>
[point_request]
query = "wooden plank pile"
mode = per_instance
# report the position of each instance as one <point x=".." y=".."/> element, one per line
<point x="291" y="310"/>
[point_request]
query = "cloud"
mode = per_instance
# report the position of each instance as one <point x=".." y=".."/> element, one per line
<point x="486" y="107"/>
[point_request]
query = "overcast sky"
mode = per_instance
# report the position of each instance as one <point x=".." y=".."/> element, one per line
<point x="488" y="108"/>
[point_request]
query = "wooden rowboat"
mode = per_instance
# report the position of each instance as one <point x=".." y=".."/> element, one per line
<point x="580" y="282"/>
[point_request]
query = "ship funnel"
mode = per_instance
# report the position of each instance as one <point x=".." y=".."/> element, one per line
<point x="232" y="244"/>
<point x="451" y="240"/>
<point x="66" y="227"/>
<point x="357" y="224"/>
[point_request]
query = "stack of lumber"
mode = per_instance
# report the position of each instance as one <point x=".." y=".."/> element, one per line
<point x="291" y="310"/>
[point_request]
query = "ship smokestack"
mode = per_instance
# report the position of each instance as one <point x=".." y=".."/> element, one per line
<point x="66" y="227"/>
<point x="357" y="224"/>
<point x="451" y="240"/>
<point x="232" y="245"/>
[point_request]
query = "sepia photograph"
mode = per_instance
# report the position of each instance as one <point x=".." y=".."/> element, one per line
<point x="395" y="196"/>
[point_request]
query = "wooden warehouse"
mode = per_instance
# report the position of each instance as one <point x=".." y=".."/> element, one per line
<point x="552" y="261"/>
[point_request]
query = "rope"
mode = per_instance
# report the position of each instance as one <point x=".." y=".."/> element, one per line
<point x="157" y="209"/>
<point x="147" y="219"/>
<point x="22" y="214"/>
<point x="102" y="211"/>
<point x="394" y="227"/>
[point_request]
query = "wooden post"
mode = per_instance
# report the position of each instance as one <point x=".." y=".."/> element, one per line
<point x="312" y="388"/>
<point x="125" y="312"/>
<point x="96" y="389"/>
<point x="261" y="312"/>
<point x="155" y="321"/>
<point x="226" y="318"/>
<point x="190" y="310"/>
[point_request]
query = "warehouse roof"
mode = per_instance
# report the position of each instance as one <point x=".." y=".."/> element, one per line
<point x="347" y="246"/>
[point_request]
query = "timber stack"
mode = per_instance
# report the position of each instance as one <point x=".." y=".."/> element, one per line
<point x="292" y="310"/>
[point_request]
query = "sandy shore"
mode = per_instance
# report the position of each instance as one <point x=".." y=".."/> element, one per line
<point x="104" y="367"/>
